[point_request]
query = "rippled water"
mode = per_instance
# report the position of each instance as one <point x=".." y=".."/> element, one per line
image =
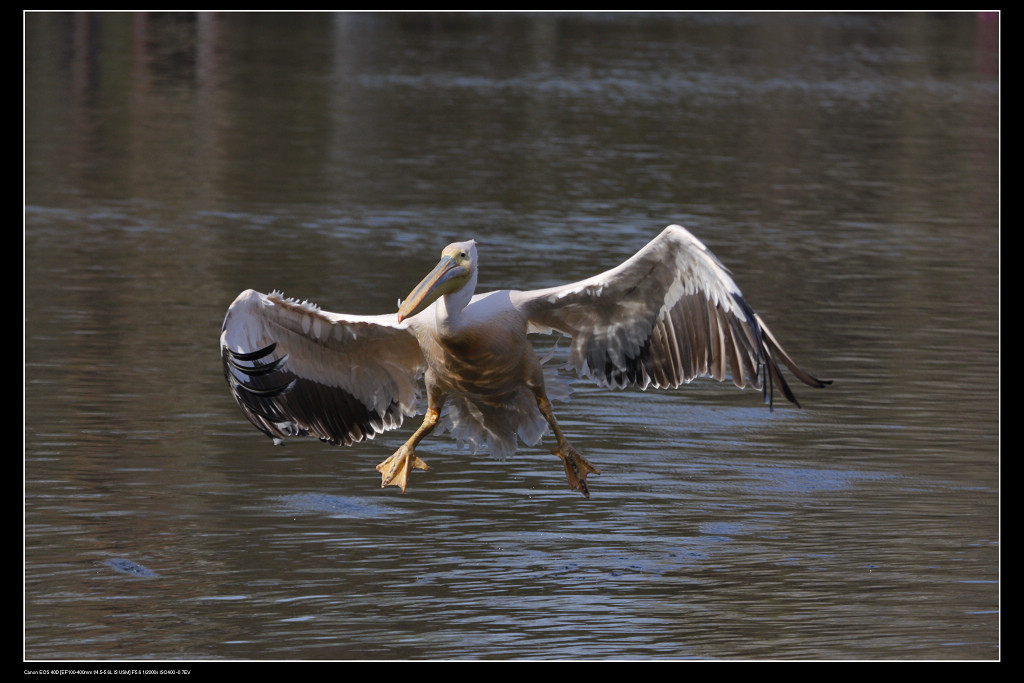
<point x="844" y="167"/>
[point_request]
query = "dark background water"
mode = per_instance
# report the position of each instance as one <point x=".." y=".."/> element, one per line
<point x="844" y="166"/>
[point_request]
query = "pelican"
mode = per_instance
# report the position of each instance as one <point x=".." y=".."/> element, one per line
<point x="667" y="315"/>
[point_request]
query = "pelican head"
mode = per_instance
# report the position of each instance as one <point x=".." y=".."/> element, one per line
<point x="453" y="272"/>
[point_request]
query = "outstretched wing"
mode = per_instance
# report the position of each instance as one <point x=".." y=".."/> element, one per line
<point x="667" y="315"/>
<point x="296" y="370"/>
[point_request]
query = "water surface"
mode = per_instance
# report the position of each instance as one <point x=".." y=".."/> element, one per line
<point x="845" y="168"/>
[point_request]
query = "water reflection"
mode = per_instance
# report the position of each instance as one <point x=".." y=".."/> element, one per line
<point x="843" y="166"/>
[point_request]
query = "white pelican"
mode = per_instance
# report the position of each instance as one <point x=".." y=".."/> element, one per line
<point x="667" y="315"/>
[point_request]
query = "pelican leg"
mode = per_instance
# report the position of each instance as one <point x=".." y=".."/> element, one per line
<point x="576" y="466"/>
<point x="395" y="470"/>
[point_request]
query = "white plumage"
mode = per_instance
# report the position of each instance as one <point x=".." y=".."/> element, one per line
<point x="667" y="315"/>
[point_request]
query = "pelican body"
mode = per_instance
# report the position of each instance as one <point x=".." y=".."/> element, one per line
<point x="667" y="315"/>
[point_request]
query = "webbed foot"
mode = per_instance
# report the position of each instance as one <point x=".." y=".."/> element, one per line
<point x="395" y="470"/>
<point x="576" y="468"/>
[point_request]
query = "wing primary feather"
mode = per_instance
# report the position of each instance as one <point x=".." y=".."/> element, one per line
<point x="295" y="370"/>
<point x="253" y="355"/>
<point x="667" y="315"/>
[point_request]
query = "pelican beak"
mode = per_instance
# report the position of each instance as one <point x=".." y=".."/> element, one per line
<point x="447" y="276"/>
